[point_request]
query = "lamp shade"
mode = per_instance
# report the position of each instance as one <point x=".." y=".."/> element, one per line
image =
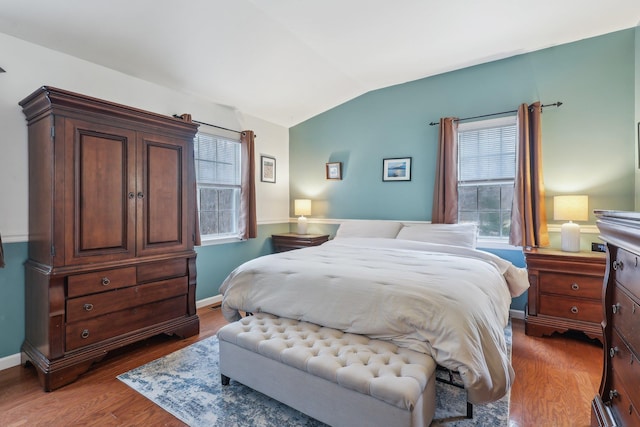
<point x="302" y="207"/>
<point x="570" y="208"/>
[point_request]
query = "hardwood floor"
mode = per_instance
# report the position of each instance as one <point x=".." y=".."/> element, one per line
<point x="556" y="378"/>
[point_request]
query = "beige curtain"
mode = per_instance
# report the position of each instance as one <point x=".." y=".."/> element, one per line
<point x="445" y="193"/>
<point x="528" y="213"/>
<point x="248" y="220"/>
<point x="1" y="254"/>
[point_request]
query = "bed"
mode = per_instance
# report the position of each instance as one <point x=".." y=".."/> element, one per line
<point x="423" y="287"/>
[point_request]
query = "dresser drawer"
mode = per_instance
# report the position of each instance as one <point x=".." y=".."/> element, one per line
<point x="130" y="321"/>
<point x="627" y="365"/>
<point x="88" y="306"/>
<point x="626" y="318"/>
<point x="622" y="407"/>
<point x="571" y="308"/>
<point x="627" y="271"/>
<point x="100" y="281"/>
<point x="573" y="285"/>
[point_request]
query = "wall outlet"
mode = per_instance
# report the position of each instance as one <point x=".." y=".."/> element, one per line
<point x="598" y="247"/>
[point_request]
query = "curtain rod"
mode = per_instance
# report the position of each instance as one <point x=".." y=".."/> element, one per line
<point x="555" y="104"/>
<point x="209" y="124"/>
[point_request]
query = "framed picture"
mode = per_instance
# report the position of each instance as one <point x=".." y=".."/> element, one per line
<point x="334" y="170"/>
<point x="267" y="169"/>
<point x="398" y="169"/>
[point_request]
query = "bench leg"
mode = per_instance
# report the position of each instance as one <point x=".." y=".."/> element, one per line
<point x="224" y="379"/>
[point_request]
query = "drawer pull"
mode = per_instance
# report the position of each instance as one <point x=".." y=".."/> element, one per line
<point x="574" y="309"/>
<point x="105" y="281"/>
<point x="615" y="308"/>
<point x="85" y="334"/>
<point x="613" y="351"/>
<point x="88" y="307"/>
<point x="618" y="265"/>
<point x="613" y="394"/>
<point x="575" y="286"/>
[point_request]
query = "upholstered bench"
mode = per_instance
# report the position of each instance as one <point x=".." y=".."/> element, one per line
<point x="338" y="378"/>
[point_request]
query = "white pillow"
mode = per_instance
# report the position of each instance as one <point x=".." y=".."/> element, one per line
<point x="369" y="228"/>
<point x="448" y="234"/>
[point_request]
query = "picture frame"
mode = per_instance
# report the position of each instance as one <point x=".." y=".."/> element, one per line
<point x="334" y="170"/>
<point x="396" y="169"/>
<point x="268" y="169"/>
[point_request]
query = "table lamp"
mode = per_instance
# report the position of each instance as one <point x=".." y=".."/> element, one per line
<point x="570" y="208"/>
<point x="302" y="207"/>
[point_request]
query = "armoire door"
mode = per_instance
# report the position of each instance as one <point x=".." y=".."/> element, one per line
<point x="163" y="195"/>
<point x="100" y="186"/>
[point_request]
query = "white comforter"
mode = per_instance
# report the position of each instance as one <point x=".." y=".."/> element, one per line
<point x="446" y="301"/>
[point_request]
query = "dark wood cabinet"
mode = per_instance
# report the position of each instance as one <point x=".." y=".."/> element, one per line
<point x="565" y="292"/>
<point x="618" y="400"/>
<point x="111" y="230"/>
<point x="289" y="241"/>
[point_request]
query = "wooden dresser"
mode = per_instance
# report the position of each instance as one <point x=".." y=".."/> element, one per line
<point x="111" y="231"/>
<point x="618" y="400"/>
<point x="565" y="292"/>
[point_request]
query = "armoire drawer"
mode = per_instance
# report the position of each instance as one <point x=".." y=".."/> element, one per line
<point x="97" y="329"/>
<point x="572" y="285"/>
<point x="94" y="305"/>
<point x="100" y="281"/>
<point x="626" y="317"/>
<point x="162" y="270"/>
<point x="570" y="308"/>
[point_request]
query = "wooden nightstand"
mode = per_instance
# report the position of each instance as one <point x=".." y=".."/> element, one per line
<point x="565" y="293"/>
<point x="289" y="241"/>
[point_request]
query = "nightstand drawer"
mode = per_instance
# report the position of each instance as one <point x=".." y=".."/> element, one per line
<point x="571" y="308"/>
<point x="573" y="285"/>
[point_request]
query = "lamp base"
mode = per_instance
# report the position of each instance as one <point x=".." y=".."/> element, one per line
<point x="570" y="237"/>
<point x="302" y="225"/>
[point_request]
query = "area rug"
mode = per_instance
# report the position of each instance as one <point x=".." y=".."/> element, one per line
<point x="186" y="383"/>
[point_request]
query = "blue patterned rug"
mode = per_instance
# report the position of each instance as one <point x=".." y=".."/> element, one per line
<point x="186" y="383"/>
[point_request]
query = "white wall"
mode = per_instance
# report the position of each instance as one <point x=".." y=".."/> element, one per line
<point x="30" y="66"/>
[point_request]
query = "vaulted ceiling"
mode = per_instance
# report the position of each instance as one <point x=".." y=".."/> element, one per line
<point x="287" y="60"/>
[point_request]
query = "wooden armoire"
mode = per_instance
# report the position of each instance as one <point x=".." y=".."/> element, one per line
<point x="111" y="231"/>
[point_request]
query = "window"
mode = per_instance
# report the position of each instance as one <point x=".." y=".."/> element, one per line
<point x="218" y="177"/>
<point x="486" y="173"/>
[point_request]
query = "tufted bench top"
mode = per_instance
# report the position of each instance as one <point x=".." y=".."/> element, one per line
<point x="377" y="368"/>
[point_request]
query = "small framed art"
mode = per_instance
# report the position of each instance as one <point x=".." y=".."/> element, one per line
<point x="267" y="169"/>
<point x="398" y="169"/>
<point x="334" y="170"/>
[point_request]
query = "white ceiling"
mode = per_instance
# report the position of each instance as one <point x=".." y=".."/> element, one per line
<point x="287" y="60"/>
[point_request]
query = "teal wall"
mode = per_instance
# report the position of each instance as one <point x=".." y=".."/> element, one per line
<point x="214" y="263"/>
<point x="12" y="298"/>
<point x="588" y="143"/>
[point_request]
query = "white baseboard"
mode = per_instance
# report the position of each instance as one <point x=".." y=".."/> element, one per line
<point x="216" y="299"/>
<point x="10" y="361"/>
<point x="516" y="314"/>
